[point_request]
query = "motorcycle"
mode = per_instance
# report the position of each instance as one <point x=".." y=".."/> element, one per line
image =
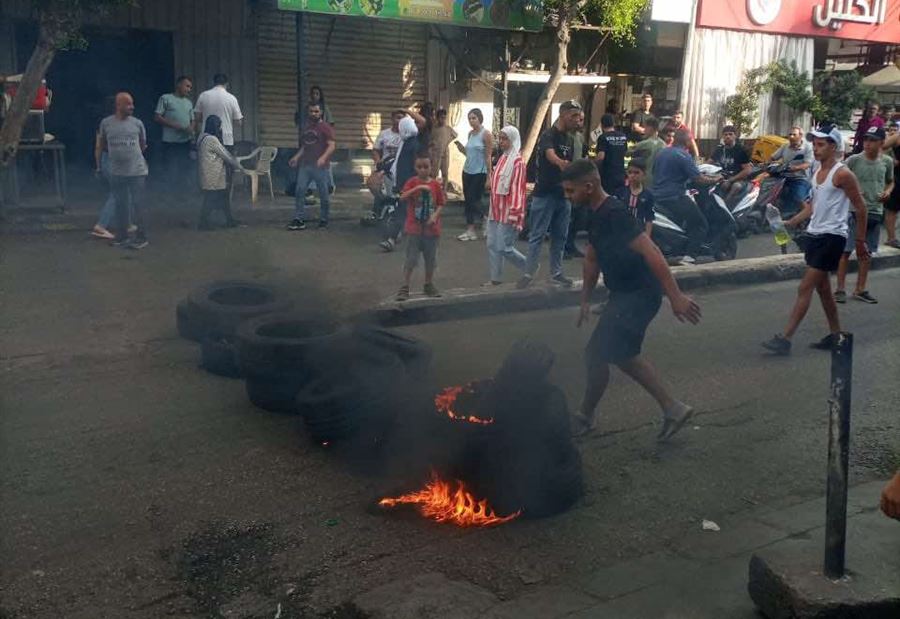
<point x="742" y="205"/>
<point x="721" y="237"/>
<point x="381" y="184"/>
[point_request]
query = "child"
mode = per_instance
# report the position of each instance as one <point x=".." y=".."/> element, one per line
<point x="636" y="197"/>
<point x="424" y="202"/>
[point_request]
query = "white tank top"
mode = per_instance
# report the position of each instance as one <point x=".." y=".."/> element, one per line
<point x="831" y="206"/>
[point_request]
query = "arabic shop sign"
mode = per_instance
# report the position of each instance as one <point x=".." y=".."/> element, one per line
<point x="875" y="21"/>
<point x="503" y="14"/>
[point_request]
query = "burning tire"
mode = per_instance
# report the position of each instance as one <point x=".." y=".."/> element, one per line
<point x="217" y="356"/>
<point x="221" y="306"/>
<point x="187" y="325"/>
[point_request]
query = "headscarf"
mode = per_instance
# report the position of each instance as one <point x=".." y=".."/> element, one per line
<point x="407" y="130"/>
<point x="213" y="127"/>
<point x="506" y="172"/>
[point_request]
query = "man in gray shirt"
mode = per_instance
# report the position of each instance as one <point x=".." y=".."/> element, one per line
<point x="797" y="154"/>
<point x="124" y="138"/>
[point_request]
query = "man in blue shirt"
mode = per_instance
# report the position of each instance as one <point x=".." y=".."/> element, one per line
<point x="673" y="168"/>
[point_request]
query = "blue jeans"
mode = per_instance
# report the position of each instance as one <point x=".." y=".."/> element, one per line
<point x="796" y="190"/>
<point x="108" y="212"/>
<point x="307" y="174"/>
<point x="129" y="191"/>
<point x="501" y="244"/>
<point x="548" y="214"/>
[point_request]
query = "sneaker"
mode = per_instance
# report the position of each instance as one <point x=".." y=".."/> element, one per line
<point x="403" y="293"/>
<point x="119" y="242"/>
<point x="132" y="229"/>
<point x="562" y="280"/>
<point x="687" y="261"/>
<point x="524" y="282"/>
<point x="431" y="290"/>
<point x="865" y="297"/>
<point x="137" y="244"/>
<point x="102" y="233"/>
<point x="387" y="245"/>
<point x="490" y="284"/>
<point x="826" y="343"/>
<point x="840" y="296"/>
<point x="323" y="225"/>
<point x="582" y="425"/>
<point x="296" y="224"/>
<point x="674" y="420"/>
<point x="468" y="236"/>
<point x="779" y="345"/>
<point x="894" y="243"/>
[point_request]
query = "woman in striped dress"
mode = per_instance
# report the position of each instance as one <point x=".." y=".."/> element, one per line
<point x="507" y="214"/>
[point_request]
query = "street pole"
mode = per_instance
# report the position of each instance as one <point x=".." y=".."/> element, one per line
<point x="838" y="455"/>
<point x="301" y="69"/>
<point x="504" y="97"/>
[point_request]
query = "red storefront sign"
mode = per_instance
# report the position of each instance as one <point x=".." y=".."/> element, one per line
<point x="875" y="21"/>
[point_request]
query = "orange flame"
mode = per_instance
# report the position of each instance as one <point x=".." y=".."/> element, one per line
<point x="439" y="501"/>
<point x="445" y="400"/>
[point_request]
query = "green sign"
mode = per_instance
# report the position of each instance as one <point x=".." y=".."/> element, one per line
<point x="505" y="14"/>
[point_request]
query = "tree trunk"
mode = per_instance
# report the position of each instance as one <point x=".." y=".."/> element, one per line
<point x="563" y="36"/>
<point x="40" y="60"/>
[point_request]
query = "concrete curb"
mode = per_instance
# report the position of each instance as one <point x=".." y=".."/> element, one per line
<point x="462" y="303"/>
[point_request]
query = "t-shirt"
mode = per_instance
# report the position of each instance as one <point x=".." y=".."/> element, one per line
<point x="640" y="206"/>
<point x="549" y="177"/>
<point x="179" y="110"/>
<point x="219" y="102"/>
<point x="646" y="150"/>
<point x="672" y="170"/>
<point x="613" y="144"/>
<point x="794" y="156"/>
<point x="388" y="143"/>
<point x="314" y="141"/>
<point x="638" y="117"/>
<point x="421" y="206"/>
<point x="123" y="142"/>
<point x="611" y="228"/>
<point x="730" y="158"/>
<point x="873" y="177"/>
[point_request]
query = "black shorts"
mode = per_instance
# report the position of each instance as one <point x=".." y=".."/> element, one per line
<point x="893" y="202"/>
<point x="620" y="333"/>
<point x="823" y="251"/>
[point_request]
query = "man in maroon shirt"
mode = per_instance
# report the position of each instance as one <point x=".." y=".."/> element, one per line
<point x="678" y="125"/>
<point x="313" y="162"/>
<point x="870" y="118"/>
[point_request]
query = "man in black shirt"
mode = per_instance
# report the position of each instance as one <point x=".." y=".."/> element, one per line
<point x="734" y="161"/>
<point x="638" y="128"/>
<point x="550" y="211"/>
<point x="636" y="275"/>
<point x="611" y="148"/>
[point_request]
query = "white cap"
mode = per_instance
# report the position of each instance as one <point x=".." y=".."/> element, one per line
<point x="828" y="132"/>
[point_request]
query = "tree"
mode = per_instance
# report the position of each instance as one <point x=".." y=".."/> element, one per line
<point x="794" y="87"/>
<point x="742" y="108"/>
<point x="840" y="93"/>
<point x="618" y="18"/>
<point x="59" y="27"/>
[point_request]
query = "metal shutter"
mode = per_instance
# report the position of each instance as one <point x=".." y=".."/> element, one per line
<point x="277" y="76"/>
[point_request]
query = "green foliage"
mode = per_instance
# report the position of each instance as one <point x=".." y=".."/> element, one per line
<point x="621" y="17"/>
<point x="742" y="108"/>
<point x="839" y="94"/>
<point x="794" y="87"/>
<point x="61" y="19"/>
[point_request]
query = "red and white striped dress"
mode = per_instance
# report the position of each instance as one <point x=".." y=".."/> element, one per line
<point x="509" y="209"/>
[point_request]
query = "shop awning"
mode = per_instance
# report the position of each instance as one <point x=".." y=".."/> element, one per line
<point x="888" y="77"/>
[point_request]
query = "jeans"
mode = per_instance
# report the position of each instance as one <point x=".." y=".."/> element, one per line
<point x="108" y="212"/>
<point x="307" y="174"/>
<point x="129" y="189"/>
<point x="796" y="191"/>
<point x="578" y="221"/>
<point x="501" y="244"/>
<point x="473" y="194"/>
<point x="177" y="164"/>
<point x="548" y="214"/>
<point x="686" y="213"/>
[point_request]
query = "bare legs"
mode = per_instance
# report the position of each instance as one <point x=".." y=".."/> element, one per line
<point x="818" y="281"/>
<point x="640" y="370"/>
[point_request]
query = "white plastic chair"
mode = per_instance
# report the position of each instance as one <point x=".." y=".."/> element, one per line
<point x="265" y="156"/>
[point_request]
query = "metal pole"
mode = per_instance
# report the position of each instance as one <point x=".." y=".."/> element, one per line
<point x="504" y="100"/>
<point x="838" y="455"/>
<point x="301" y="70"/>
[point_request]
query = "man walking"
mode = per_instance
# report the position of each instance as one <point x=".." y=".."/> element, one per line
<point x="550" y="211"/>
<point x="834" y="189"/>
<point x="124" y="138"/>
<point x="217" y="101"/>
<point x="313" y="162"/>
<point x="175" y="112"/>
<point x="797" y="155"/>
<point x="673" y="169"/>
<point x="636" y="274"/>
<point x="875" y="173"/>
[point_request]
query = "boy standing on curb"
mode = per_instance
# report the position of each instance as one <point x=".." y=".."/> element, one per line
<point x="424" y="202"/>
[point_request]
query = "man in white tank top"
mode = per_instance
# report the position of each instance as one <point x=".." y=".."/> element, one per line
<point x="834" y="190"/>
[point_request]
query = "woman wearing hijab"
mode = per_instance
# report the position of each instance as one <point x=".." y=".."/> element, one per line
<point x="212" y="157"/>
<point x="476" y="172"/>
<point x="404" y="168"/>
<point x="507" y="212"/>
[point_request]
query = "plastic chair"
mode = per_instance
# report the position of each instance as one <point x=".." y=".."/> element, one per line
<point x="264" y="155"/>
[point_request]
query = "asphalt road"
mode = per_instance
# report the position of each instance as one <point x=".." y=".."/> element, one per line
<point x="135" y="484"/>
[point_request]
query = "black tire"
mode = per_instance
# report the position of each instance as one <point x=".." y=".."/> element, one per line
<point x="187" y="327"/>
<point x="221" y="306"/>
<point x="413" y="353"/>
<point x="280" y="344"/>
<point x="273" y="394"/>
<point x="217" y="356"/>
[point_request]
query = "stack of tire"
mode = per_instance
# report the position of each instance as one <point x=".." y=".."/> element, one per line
<point x="212" y="313"/>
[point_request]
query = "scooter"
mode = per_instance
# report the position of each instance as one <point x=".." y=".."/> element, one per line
<point x="721" y="238"/>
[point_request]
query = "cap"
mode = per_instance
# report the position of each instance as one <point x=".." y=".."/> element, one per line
<point x="729" y="129"/>
<point x="828" y="132"/>
<point x="875" y="133"/>
<point x="571" y="104"/>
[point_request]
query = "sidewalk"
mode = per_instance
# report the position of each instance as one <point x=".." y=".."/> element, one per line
<point x="703" y="576"/>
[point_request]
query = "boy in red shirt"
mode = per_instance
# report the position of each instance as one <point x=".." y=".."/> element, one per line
<point x="424" y="201"/>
